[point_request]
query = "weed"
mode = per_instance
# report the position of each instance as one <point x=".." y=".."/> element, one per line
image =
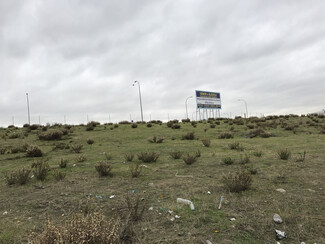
<point x="148" y="157"/>
<point x="135" y="169"/>
<point x="244" y="159"/>
<point x="225" y="135"/>
<point x="40" y="170"/>
<point x="198" y="153"/>
<point x="90" y="141"/>
<point x="108" y="156"/>
<point x="228" y="160"/>
<point x="176" y="154"/>
<point x="190" y="159"/>
<point x="63" y="163"/>
<point x="206" y="142"/>
<point x="156" y="140"/>
<point x="34" y="151"/>
<point x="258" y="154"/>
<point x="237" y="182"/>
<point x="10" y="178"/>
<point x="80" y="158"/>
<point x="58" y="175"/>
<point x="301" y="157"/>
<point x="284" y="154"/>
<point x="76" y="148"/>
<point x="188" y="136"/>
<point x="103" y="169"/>
<point x="80" y="228"/>
<point x="129" y="156"/>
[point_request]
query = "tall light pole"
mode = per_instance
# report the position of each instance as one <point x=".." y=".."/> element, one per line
<point x="245" y="106"/>
<point x="186" y="106"/>
<point x="28" y="108"/>
<point x="139" y="97"/>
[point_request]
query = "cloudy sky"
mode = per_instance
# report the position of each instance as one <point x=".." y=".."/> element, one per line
<point x="79" y="58"/>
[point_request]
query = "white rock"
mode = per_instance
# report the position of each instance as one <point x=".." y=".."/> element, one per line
<point x="112" y="196"/>
<point x="5" y="213"/>
<point x="281" y="190"/>
<point x="277" y="219"/>
<point x="232" y="219"/>
<point x="151" y="208"/>
<point x="209" y="192"/>
<point x="177" y="217"/>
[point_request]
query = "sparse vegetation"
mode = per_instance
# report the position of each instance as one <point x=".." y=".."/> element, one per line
<point x="41" y="170"/>
<point x="34" y="151"/>
<point x="135" y="169"/>
<point x="190" y="159"/>
<point x="103" y="169"/>
<point x="237" y="182"/>
<point x="176" y="154"/>
<point x="148" y="157"/>
<point x="206" y="142"/>
<point x="76" y="148"/>
<point x="284" y="154"/>
<point x="129" y="157"/>
<point x="228" y="160"/>
<point x="225" y="135"/>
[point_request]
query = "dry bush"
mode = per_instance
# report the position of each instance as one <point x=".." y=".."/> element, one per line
<point x="34" y="151"/>
<point x="10" y="178"/>
<point x="80" y="158"/>
<point x="23" y="176"/>
<point x="284" y="154"/>
<point x="88" y="229"/>
<point x="51" y="135"/>
<point x="225" y="135"/>
<point x="148" y="157"/>
<point x="76" y="148"/>
<point x="14" y="135"/>
<point x="135" y="206"/>
<point x="176" y="154"/>
<point x="259" y="132"/>
<point x="236" y="146"/>
<point x="206" y="142"/>
<point x="176" y="126"/>
<point x="301" y="157"/>
<point x="3" y="150"/>
<point x="258" y="154"/>
<point x="190" y="159"/>
<point x="134" y="126"/>
<point x="244" y="159"/>
<point x="129" y="156"/>
<point x="188" y="136"/>
<point x="108" y="156"/>
<point x="103" y="169"/>
<point x="40" y="170"/>
<point x="135" y="169"/>
<point x="198" y="153"/>
<point x="237" y="182"/>
<point x="58" y="175"/>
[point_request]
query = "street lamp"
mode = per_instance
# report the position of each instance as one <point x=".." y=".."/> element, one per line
<point x="186" y="106"/>
<point x="139" y="97"/>
<point x="28" y="108"/>
<point x="245" y="106"/>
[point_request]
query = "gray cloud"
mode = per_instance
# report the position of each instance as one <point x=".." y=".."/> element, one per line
<point x="79" y="58"/>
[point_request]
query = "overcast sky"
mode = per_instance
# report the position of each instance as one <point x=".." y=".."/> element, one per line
<point x="80" y="58"/>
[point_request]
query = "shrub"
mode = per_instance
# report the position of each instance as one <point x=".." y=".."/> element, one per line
<point x="58" y="175"/>
<point x="212" y="126"/>
<point x="34" y="126"/>
<point x="176" y="154"/>
<point x="103" y="169"/>
<point x="228" y="160"/>
<point x="235" y="146"/>
<point x="63" y="163"/>
<point x="34" y="151"/>
<point x="3" y="150"/>
<point x="23" y="176"/>
<point x="135" y="169"/>
<point x="244" y="159"/>
<point x="80" y="228"/>
<point x="128" y="157"/>
<point x="258" y="154"/>
<point x="14" y="135"/>
<point x="148" y="157"/>
<point x="237" y="182"/>
<point x="176" y="126"/>
<point x="198" y="153"/>
<point x="188" y="136"/>
<point x="76" y="148"/>
<point x="90" y="141"/>
<point x="134" y="126"/>
<point x="50" y="135"/>
<point x="190" y="159"/>
<point x="149" y="125"/>
<point x="284" y="154"/>
<point x="156" y="140"/>
<point x="40" y="170"/>
<point x="225" y="135"/>
<point x="259" y="132"/>
<point x="250" y="126"/>
<point x="108" y="156"/>
<point x="134" y="207"/>
<point x="206" y="142"/>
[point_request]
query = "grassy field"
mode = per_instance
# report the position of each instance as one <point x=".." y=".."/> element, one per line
<point x="244" y="217"/>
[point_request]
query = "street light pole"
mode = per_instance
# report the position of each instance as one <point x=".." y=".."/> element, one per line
<point x="245" y="106"/>
<point x="186" y="106"/>
<point x="28" y="108"/>
<point x="140" y="98"/>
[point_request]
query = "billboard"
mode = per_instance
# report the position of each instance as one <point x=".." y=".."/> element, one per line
<point x="208" y="100"/>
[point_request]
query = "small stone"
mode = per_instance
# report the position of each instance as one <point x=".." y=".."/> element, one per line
<point x="151" y="208"/>
<point x="172" y="219"/>
<point x="311" y="190"/>
<point x="111" y="196"/>
<point x="281" y="190"/>
<point x="209" y="192"/>
<point x="277" y="219"/>
<point x="232" y="219"/>
<point x="5" y="213"/>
